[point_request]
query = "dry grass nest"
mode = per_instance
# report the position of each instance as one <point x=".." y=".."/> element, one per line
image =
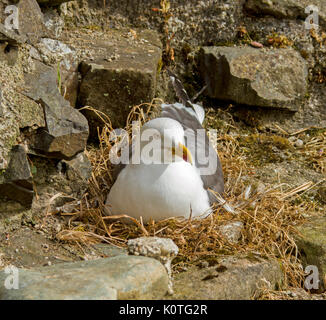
<point x="269" y="216"/>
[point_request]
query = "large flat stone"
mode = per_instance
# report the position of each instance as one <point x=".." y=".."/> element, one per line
<point x="120" y="277"/>
<point x="231" y="279"/>
<point x="121" y="74"/>
<point x="194" y="22"/>
<point x="265" y="78"/>
<point x="57" y="53"/>
<point x="312" y="246"/>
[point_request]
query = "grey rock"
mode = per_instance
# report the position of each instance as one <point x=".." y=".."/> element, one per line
<point x="7" y="34"/>
<point x="18" y="112"/>
<point x="53" y="22"/>
<point x="233" y="278"/>
<point x="232" y="231"/>
<point x="29" y="10"/>
<point x="11" y="36"/>
<point x="121" y="74"/>
<point x="162" y="249"/>
<point x="266" y="78"/>
<point x="79" y="167"/>
<point x="292" y="9"/>
<point x="120" y="277"/>
<point x="18" y="168"/>
<point x="195" y="21"/>
<point x="312" y="245"/>
<point x="16" y="181"/>
<point x="57" y="53"/>
<point x="52" y="51"/>
<point x="66" y="129"/>
<point x="34" y="54"/>
<point x="30" y="248"/>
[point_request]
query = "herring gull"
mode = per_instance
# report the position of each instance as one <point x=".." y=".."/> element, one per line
<point x="172" y="182"/>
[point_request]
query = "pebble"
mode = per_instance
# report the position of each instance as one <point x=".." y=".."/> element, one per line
<point x="232" y="231"/>
<point x="161" y="249"/>
<point x="298" y="143"/>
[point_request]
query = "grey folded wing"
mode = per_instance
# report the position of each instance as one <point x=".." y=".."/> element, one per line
<point x="205" y="156"/>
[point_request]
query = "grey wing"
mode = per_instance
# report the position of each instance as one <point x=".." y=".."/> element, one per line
<point x="198" y="143"/>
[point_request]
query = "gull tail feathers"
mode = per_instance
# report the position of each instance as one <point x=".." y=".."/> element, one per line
<point x="184" y="98"/>
<point x="179" y="89"/>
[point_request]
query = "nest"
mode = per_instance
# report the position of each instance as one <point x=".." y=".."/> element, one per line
<point x="269" y="216"/>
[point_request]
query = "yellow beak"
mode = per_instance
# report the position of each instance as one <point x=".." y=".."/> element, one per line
<point x="183" y="152"/>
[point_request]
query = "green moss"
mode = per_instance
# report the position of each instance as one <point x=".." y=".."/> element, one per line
<point x="264" y="148"/>
<point x="33" y="170"/>
<point x="279" y="41"/>
<point x="226" y="43"/>
<point x="313" y="132"/>
<point x="214" y="123"/>
<point x="93" y="27"/>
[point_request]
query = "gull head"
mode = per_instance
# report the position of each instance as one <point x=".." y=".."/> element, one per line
<point x="162" y="141"/>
